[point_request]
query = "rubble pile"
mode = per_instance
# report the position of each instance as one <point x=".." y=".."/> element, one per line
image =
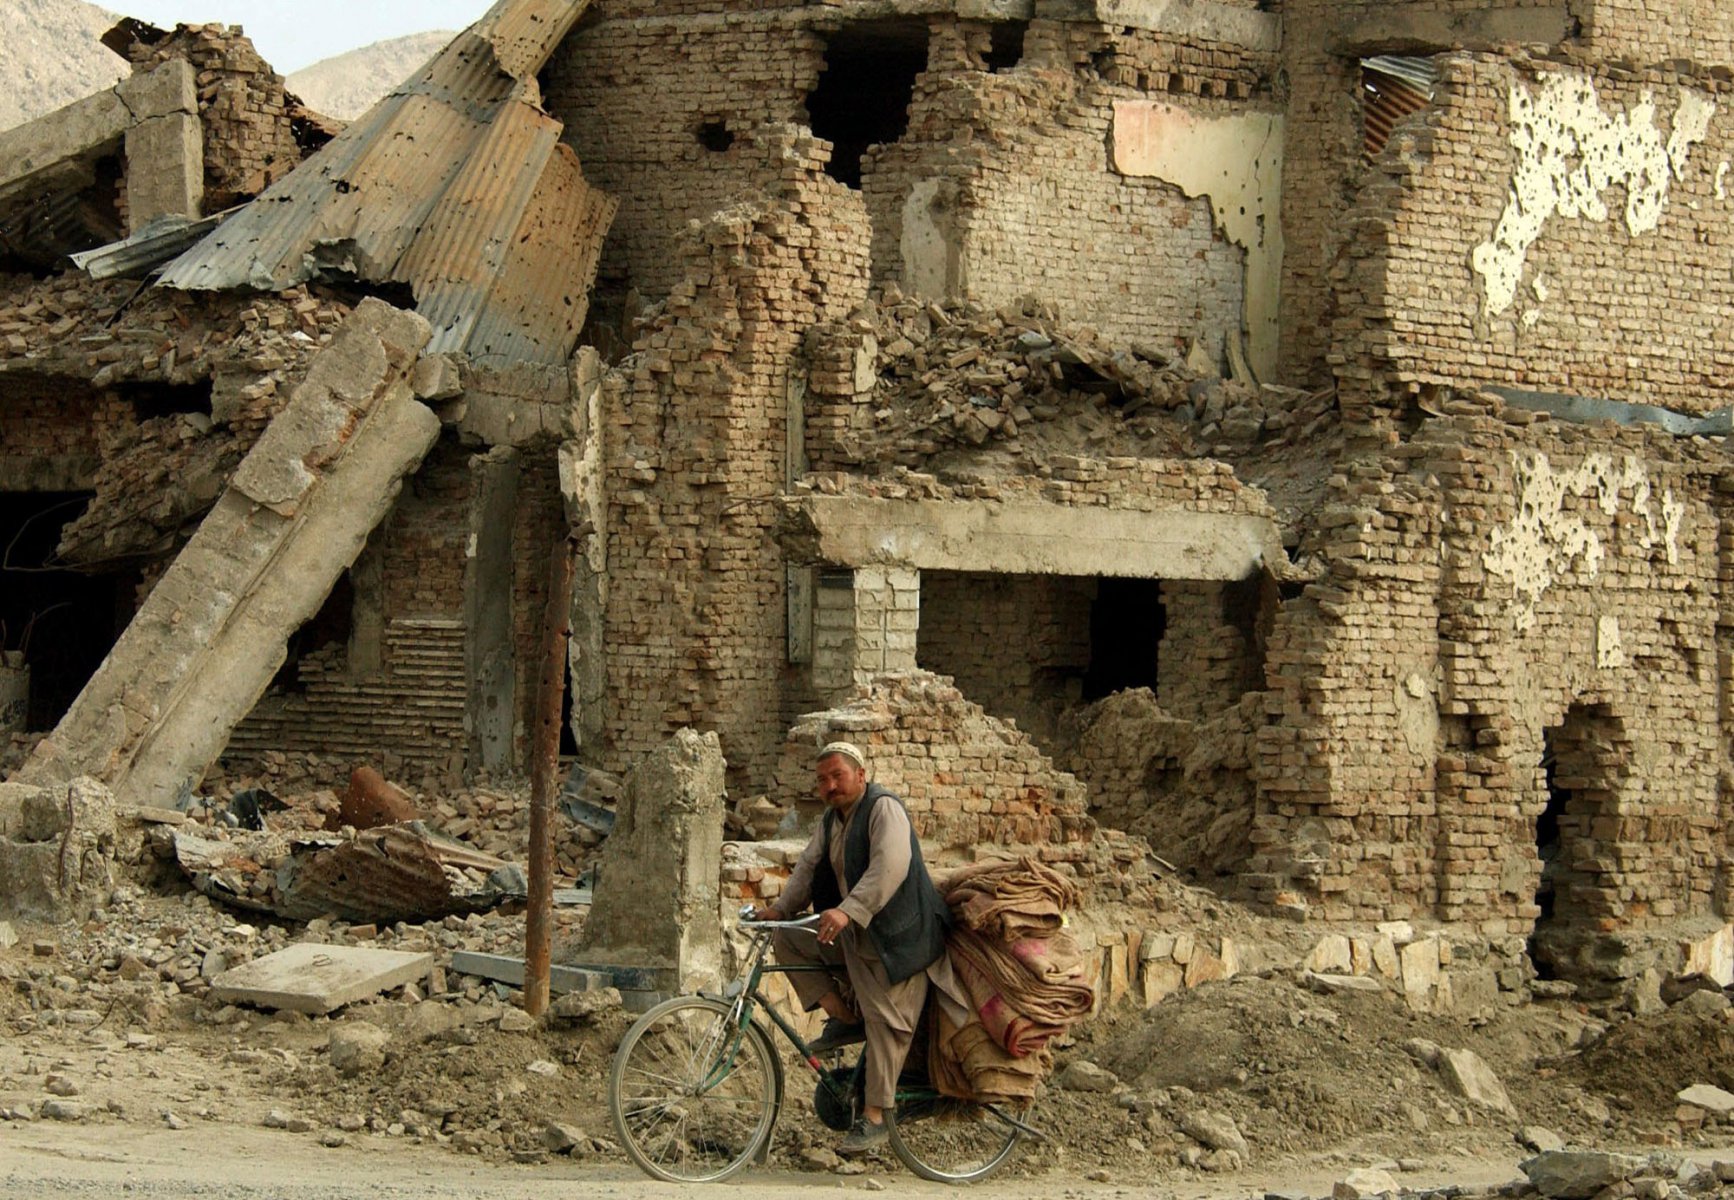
<point x="904" y="382"/>
<point x="167" y="392"/>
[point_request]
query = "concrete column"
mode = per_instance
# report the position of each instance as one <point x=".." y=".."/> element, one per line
<point x="864" y="624"/>
<point x="165" y="169"/>
<point x="488" y="643"/>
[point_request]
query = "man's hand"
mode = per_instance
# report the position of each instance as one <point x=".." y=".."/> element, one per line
<point x="767" y="914"/>
<point x="832" y="922"/>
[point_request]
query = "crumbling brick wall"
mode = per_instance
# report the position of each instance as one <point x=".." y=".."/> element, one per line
<point x="250" y="138"/>
<point x="1652" y="32"/>
<point x="1016" y="644"/>
<point x="695" y="448"/>
<point x="1489" y="582"/>
<point x="1210" y="654"/>
<point x="1601" y="272"/>
<point x="968" y="779"/>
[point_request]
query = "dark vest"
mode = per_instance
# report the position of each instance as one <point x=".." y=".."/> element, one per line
<point x="909" y="932"/>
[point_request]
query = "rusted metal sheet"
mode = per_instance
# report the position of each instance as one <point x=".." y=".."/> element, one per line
<point x="393" y="873"/>
<point x="1392" y="88"/>
<point x="457" y="185"/>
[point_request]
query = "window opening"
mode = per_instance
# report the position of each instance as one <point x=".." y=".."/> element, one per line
<point x="1391" y="89"/>
<point x="1127" y="620"/>
<point x="715" y="137"/>
<point x="865" y="90"/>
<point x="332" y="625"/>
<point x="1006" y="48"/>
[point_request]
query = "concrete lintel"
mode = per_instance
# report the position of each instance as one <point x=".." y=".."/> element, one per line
<point x="1361" y="30"/>
<point x="172" y="87"/>
<point x="316" y="979"/>
<point x="165" y="169"/>
<point x="1032" y="538"/>
<point x="1197" y="20"/>
<point x="1588" y="410"/>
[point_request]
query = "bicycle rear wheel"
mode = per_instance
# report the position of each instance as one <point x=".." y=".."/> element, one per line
<point x="693" y="1093"/>
<point x="952" y="1141"/>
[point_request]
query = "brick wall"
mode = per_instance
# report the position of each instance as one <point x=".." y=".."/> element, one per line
<point x="697" y="423"/>
<point x="1018" y="645"/>
<point x="1498" y="581"/>
<point x="1621" y="292"/>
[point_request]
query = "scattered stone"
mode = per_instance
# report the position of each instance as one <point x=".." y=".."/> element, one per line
<point x="43" y="949"/>
<point x="1705" y="1004"/>
<point x="1707" y="1097"/>
<point x="174" y="1120"/>
<point x="352" y="1123"/>
<point x="821" y="1158"/>
<point x="8" y="936"/>
<point x="60" y="1085"/>
<point x="1082" y="1075"/>
<point x="1467" y="1075"/>
<point x="356" y="1048"/>
<point x="278" y="1119"/>
<point x="1539" y="1138"/>
<point x="1364" y="1182"/>
<point x="65" y="1110"/>
<point x="516" y="1020"/>
<point x="1577" y="1174"/>
<point x="1215" y="1130"/>
<point x="560" y="1139"/>
<point x="1099" y="1175"/>
<point x="544" y="1068"/>
<point x="1328" y="984"/>
<point x="585" y="1005"/>
<point x="315" y="978"/>
<point x="873" y="1185"/>
<point x="333" y="1139"/>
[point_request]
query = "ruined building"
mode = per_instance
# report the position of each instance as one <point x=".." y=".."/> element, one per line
<point x="1293" y="428"/>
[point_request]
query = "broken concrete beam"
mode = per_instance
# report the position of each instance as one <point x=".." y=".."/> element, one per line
<point x="658" y="884"/>
<point x="213" y="632"/>
<point x="1189" y="20"/>
<point x="1029" y="538"/>
<point x="315" y="979"/>
<point x="63" y="143"/>
<point x="56" y="849"/>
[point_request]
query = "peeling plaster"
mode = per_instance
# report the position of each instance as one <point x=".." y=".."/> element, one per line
<point x="1544" y="540"/>
<point x="1234" y="162"/>
<point x="1722" y="180"/>
<point x="1570" y="152"/>
<point x="1610" y="650"/>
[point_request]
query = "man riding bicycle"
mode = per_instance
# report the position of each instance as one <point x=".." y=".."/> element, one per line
<point x="881" y="932"/>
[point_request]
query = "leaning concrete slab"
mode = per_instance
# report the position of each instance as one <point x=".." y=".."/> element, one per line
<point x="314" y="979"/>
<point x="214" y="630"/>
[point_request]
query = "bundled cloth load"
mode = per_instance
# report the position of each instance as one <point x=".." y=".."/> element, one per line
<point x="1022" y="974"/>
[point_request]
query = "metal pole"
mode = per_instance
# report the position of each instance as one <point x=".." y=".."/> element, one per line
<point x="544" y="765"/>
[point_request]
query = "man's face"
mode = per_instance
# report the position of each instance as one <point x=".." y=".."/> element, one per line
<point x="840" y="781"/>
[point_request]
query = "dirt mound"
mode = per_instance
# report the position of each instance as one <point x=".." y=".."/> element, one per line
<point x="1642" y="1063"/>
<point x="51" y="55"/>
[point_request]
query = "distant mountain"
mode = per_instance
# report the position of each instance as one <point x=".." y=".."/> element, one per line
<point x="51" y="54"/>
<point x="347" y="85"/>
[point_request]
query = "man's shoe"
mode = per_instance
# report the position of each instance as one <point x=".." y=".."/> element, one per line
<point x="836" y="1035"/>
<point x="865" y="1135"/>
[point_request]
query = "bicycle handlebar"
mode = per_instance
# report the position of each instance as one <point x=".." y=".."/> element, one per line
<point x="746" y="918"/>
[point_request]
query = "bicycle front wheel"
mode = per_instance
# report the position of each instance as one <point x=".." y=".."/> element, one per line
<point x="694" y="1093"/>
<point x="952" y="1141"/>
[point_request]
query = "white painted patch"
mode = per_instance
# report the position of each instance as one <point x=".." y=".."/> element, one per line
<point x="1569" y="152"/>
<point x="1722" y="180"/>
<point x="1544" y="540"/>
<point x="1610" y="652"/>
<point x="1235" y="162"/>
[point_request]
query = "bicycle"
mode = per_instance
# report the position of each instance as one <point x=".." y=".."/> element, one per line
<point x="697" y="1086"/>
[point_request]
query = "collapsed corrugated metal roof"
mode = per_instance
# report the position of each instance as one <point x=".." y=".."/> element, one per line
<point x="455" y="184"/>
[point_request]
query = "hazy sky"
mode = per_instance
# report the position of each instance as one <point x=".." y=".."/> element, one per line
<point x="292" y="34"/>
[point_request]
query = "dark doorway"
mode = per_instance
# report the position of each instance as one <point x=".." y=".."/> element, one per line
<point x="1580" y="765"/>
<point x="64" y="621"/>
<point x="864" y="93"/>
<point x="1127" y="620"/>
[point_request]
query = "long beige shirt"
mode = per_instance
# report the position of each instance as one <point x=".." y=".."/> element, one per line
<point x="887" y="864"/>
